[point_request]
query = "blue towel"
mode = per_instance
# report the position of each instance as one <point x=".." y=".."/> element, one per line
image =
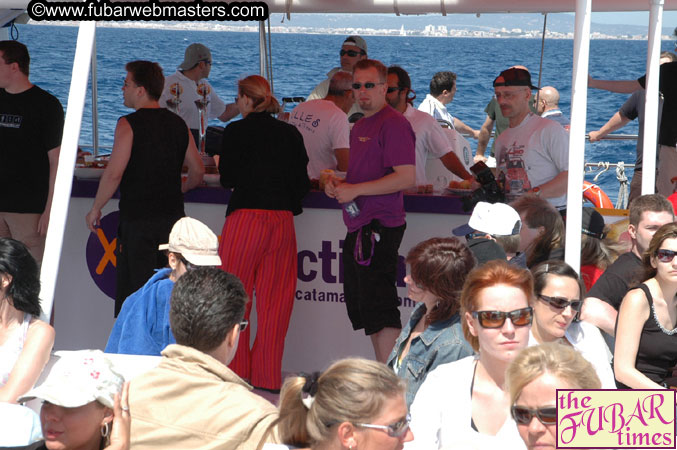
<point x="142" y="327"/>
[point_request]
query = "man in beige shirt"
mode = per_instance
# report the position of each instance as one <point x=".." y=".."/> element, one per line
<point x="191" y="400"/>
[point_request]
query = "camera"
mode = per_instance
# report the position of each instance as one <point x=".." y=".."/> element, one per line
<point x="490" y="190"/>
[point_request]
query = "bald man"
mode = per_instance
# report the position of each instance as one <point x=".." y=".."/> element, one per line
<point x="548" y="106"/>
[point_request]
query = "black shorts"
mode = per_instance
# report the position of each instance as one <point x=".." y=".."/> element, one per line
<point x="370" y="291"/>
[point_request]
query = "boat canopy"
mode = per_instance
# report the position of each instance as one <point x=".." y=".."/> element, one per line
<point x="434" y="6"/>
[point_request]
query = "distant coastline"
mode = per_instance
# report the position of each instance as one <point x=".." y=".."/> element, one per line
<point x="428" y="31"/>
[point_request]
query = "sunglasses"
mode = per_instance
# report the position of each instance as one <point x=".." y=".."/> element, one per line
<point x="244" y="324"/>
<point x="206" y="61"/>
<point x="367" y="85"/>
<point x="561" y="302"/>
<point x="351" y="53"/>
<point x="496" y="319"/>
<point x="396" y="430"/>
<point x="394" y="89"/>
<point x="665" y="255"/>
<point x="523" y="415"/>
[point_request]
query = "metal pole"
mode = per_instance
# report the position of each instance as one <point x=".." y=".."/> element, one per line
<point x="64" y="175"/>
<point x="651" y="97"/>
<point x="95" y="104"/>
<point x="540" y="65"/>
<point x="263" y="60"/>
<point x="579" y="103"/>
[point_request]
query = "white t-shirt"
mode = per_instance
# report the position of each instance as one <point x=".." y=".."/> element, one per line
<point x="435" y="108"/>
<point x="322" y="89"/>
<point x="325" y="128"/>
<point x="431" y="142"/>
<point x="435" y="169"/>
<point x="188" y="92"/>
<point x="588" y="341"/>
<point x="532" y="153"/>
<point x="441" y="413"/>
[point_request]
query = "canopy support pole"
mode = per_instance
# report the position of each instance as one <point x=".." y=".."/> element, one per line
<point x="95" y="103"/>
<point x="651" y="97"/>
<point x="64" y="175"/>
<point x="579" y="104"/>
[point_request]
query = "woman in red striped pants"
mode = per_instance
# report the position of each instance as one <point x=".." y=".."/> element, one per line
<point x="264" y="161"/>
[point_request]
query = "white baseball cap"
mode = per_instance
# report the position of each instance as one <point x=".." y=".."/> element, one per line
<point x="497" y="219"/>
<point x="195" y="241"/>
<point x="78" y="378"/>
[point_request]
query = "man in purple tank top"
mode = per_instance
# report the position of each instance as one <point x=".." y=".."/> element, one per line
<point x="151" y="146"/>
<point x="380" y="167"/>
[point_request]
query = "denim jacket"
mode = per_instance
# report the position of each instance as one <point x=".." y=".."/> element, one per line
<point x="442" y="342"/>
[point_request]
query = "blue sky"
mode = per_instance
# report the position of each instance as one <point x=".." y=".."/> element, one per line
<point x="634" y="18"/>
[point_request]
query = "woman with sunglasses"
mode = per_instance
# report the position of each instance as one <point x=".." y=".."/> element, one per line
<point x="559" y="297"/>
<point x="533" y="379"/>
<point x="434" y="334"/>
<point x="264" y="161"/>
<point x="464" y="403"/>
<point x="355" y="404"/>
<point x="646" y="333"/>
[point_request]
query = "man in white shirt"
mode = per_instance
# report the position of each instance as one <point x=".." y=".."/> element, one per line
<point x="325" y="128"/>
<point x="548" y="106"/>
<point x="431" y="142"/>
<point x="442" y="92"/>
<point x="188" y="84"/>
<point x="532" y="155"/>
<point x="354" y="49"/>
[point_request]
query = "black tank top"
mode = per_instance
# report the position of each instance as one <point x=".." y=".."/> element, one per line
<point x="657" y="351"/>
<point x="151" y="184"/>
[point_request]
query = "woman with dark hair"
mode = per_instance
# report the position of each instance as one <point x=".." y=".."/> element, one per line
<point x="25" y="340"/>
<point x="464" y="404"/>
<point x="264" y="161"/>
<point x="542" y="232"/>
<point x="356" y="403"/>
<point x="646" y="331"/>
<point x="559" y="297"/>
<point x="433" y="335"/>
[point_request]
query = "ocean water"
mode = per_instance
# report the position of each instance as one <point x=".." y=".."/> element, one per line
<point x="301" y="61"/>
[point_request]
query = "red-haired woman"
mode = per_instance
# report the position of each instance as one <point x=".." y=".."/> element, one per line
<point x="464" y="404"/>
<point x="264" y="161"/>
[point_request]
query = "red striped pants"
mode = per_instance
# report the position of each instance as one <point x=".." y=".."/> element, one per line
<point x="259" y="247"/>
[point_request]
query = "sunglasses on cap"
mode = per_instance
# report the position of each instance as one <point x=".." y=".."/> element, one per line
<point x="665" y="255"/>
<point x="496" y="319"/>
<point x="396" y="430"/>
<point x="523" y="415"/>
<point x="561" y="302"/>
<point x="367" y="85"/>
<point x="351" y="53"/>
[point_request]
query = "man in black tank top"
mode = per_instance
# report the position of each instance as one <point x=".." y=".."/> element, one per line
<point x="151" y="146"/>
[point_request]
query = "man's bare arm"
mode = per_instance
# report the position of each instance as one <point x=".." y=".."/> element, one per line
<point x="483" y="139"/>
<point x="193" y="161"/>
<point x="455" y="166"/>
<point x="619" y="86"/>
<point x="230" y="112"/>
<point x="112" y="175"/>
<point x="617" y="121"/>
<point x="403" y="177"/>
<point x="342" y="158"/>
<point x="465" y="129"/>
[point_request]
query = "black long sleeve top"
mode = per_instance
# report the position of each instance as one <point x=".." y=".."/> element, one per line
<point x="264" y="160"/>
